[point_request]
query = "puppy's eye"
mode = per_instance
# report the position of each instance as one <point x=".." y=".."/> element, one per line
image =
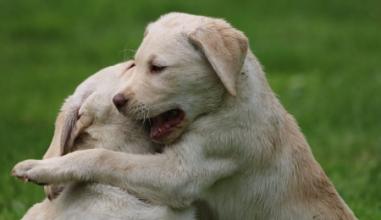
<point x="157" y="68"/>
<point x="131" y="66"/>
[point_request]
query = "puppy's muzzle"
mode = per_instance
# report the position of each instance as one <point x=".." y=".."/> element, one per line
<point x="120" y="101"/>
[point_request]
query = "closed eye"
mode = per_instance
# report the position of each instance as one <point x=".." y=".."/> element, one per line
<point x="156" y="68"/>
<point x="131" y="66"/>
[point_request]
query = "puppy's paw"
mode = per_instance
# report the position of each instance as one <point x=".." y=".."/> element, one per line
<point x="31" y="171"/>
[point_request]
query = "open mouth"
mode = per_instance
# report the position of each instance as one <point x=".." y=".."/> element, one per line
<point x="164" y="124"/>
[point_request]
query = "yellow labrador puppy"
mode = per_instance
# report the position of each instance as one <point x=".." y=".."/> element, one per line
<point x="89" y="120"/>
<point x="199" y="89"/>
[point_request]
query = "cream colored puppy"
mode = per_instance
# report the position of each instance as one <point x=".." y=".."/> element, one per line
<point x="89" y="120"/>
<point x="198" y="88"/>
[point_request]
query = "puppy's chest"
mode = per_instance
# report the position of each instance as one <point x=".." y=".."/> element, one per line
<point x="228" y="194"/>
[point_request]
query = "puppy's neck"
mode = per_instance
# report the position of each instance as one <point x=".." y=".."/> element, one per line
<point x="254" y="95"/>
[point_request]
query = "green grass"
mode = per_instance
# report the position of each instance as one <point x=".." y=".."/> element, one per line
<point x="322" y="58"/>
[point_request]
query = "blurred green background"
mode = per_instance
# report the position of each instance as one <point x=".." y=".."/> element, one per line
<point x="322" y="58"/>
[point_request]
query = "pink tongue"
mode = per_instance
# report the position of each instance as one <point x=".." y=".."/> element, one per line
<point x="163" y="125"/>
<point x="159" y="127"/>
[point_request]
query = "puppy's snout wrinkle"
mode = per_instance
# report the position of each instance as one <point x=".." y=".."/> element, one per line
<point x="119" y="101"/>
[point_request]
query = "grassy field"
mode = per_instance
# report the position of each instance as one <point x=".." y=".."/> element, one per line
<point x="323" y="59"/>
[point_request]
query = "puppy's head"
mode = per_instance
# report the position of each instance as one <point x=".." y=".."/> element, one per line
<point x="89" y="106"/>
<point x="100" y="125"/>
<point x="89" y="119"/>
<point x="184" y="68"/>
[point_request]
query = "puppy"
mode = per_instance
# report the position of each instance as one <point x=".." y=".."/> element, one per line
<point x="200" y="90"/>
<point x="89" y="120"/>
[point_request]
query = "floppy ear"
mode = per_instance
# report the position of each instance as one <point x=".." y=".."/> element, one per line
<point x="63" y="127"/>
<point x="69" y="124"/>
<point x="225" y="48"/>
<point x="83" y="122"/>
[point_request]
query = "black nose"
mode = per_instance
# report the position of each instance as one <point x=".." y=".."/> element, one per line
<point x="119" y="100"/>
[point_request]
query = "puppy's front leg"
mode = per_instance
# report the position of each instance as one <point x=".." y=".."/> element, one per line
<point x="172" y="178"/>
<point x="55" y="170"/>
<point x="176" y="177"/>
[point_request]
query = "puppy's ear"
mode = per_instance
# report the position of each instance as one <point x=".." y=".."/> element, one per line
<point x="63" y="127"/>
<point x="69" y="125"/>
<point x="225" y="48"/>
<point x="83" y="121"/>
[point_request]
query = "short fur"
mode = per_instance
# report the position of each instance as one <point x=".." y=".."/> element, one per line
<point x="88" y="120"/>
<point x="238" y="148"/>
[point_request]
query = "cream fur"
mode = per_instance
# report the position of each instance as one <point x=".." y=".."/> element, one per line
<point x="238" y="148"/>
<point x="100" y="126"/>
